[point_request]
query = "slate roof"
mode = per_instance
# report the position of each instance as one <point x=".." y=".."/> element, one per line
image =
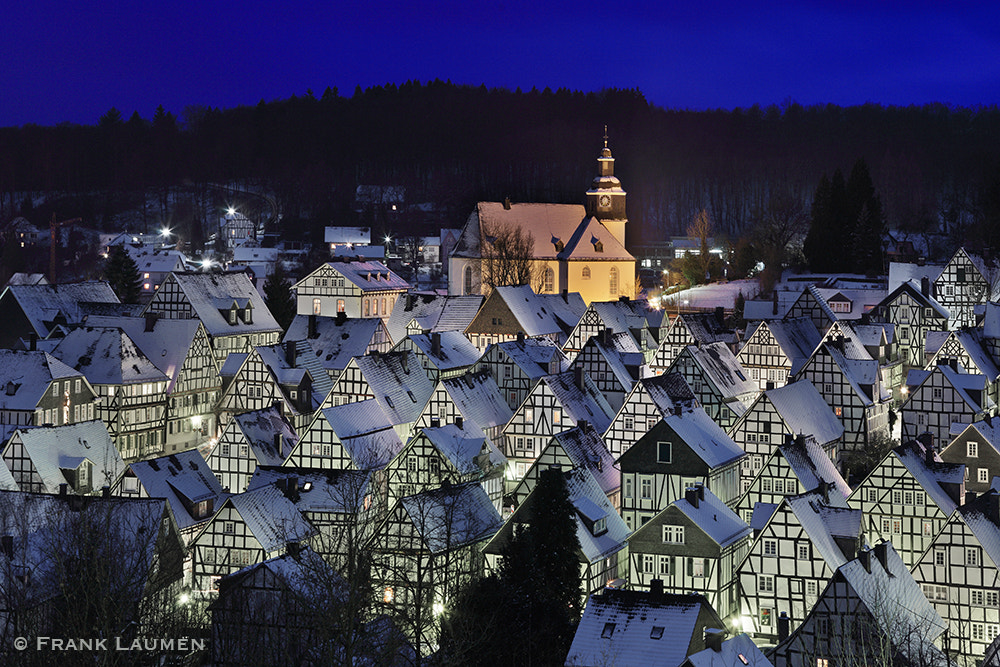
<point x="974" y="344"/>
<point x="478" y="398"/>
<point x="962" y="383"/>
<point x="399" y="383"/>
<point x="335" y="344"/>
<point x="543" y="314"/>
<point x="42" y="303"/>
<point x="456" y="350"/>
<point x="706" y="328"/>
<point x="705" y="437"/>
<point x="276" y="360"/>
<point x="720" y="523"/>
<point x="797" y="337"/>
<point x="991" y="320"/>
<point x="913" y="288"/>
<point x="326" y="490"/>
<point x="587" y="495"/>
<point x="805" y="411"/>
<point x="933" y="342"/>
<point x="635" y="628"/>
<point x="260" y="427"/>
<point x="532" y="355"/>
<point x="720" y="366"/>
<point x="825" y="520"/>
<point x="622" y="355"/>
<point x="51" y="448"/>
<point x="181" y="479"/>
<point x="811" y="465"/>
<point x="627" y="315"/>
<point x="901" y="272"/>
<point x="365" y="432"/>
<point x="735" y="651"/>
<point x="467" y="448"/>
<point x="369" y="276"/>
<point x="585" y="402"/>
<point x="452" y="516"/>
<point x="271" y="517"/>
<point x="28" y="375"/>
<point x="980" y="515"/>
<point x="210" y="293"/>
<point x="667" y="390"/>
<point x="432" y="313"/>
<point x="932" y="476"/>
<point x="107" y="356"/>
<point x="586" y="449"/>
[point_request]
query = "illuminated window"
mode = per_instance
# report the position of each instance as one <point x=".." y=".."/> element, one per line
<point x="317" y="307"/>
<point x="340" y="306"/>
<point x="550" y="281"/>
<point x="388" y="595"/>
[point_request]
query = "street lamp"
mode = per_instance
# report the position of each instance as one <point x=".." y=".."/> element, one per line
<point x="231" y="211"/>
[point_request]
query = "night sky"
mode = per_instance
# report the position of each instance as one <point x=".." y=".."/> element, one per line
<point x="73" y="61"/>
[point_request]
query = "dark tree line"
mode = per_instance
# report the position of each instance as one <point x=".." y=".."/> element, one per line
<point x="453" y="145"/>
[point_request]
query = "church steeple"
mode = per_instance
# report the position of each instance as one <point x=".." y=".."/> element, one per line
<point x="606" y="198"/>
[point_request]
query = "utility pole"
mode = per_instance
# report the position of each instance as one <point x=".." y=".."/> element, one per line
<point x="52" y="243"/>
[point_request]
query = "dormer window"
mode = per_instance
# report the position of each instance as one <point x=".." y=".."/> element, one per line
<point x="248" y="314"/>
<point x="232" y="315"/>
<point x="600" y="527"/>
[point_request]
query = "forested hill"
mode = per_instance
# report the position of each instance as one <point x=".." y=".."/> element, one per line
<point x="453" y="145"/>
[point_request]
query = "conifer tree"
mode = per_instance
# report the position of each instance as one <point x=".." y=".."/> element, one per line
<point x="122" y="275"/>
<point x="278" y="297"/>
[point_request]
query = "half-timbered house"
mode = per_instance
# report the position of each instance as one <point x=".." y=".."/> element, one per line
<point x="682" y="449"/>
<point x="795" y="408"/>
<point x="230" y="308"/>
<point x="811" y="304"/>
<point x="36" y="389"/>
<point x="359" y="289"/>
<point x="599" y="528"/>
<point x="251" y="439"/>
<point x="442" y="354"/>
<point x="557" y="403"/>
<point x="79" y="458"/>
<point x="624" y="316"/>
<point x="328" y="344"/>
<point x="721" y="385"/>
<point x="509" y="311"/>
<point x="181" y="349"/>
<point x="690" y="329"/>
<point x="614" y="362"/>
<point x="248" y="528"/>
<point x="695" y="545"/>
<point x="969" y="349"/>
<point x="580" y="447"/>
<point x="356" y="436"/>
<point x="776" y="350"/>
<point x="650" y="400"/>
<point x="908" y="498"/>
<point x="913" y="311"/>
<point x="941" y="401"/>
<point x="518" y="364"/>
<point x="797" y="465"/>
<point x="870" y="612"/>
<point x="430" y="313"/>
<point x="426" y="551"/>
<point x="132" y="402"/>
<point x="959" y="574"/>
<point x="977" y="447"/>
<point x="473" y="397"/>
<point x="793" y="557"/>
<point x="44" y="311"/>
<point x="250" y="384"/>
<point x="965" y="282"/>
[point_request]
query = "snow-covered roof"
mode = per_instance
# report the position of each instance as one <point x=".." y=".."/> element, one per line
<point x="592" y="240"/>
<point x="586" y="494"/>
<point x="542" y="314"/>
<point x="432" y="313"/>
<point x="667" y="390"/>
<point x="478" y="398"/>
<point x="545" y="223"/>
<point x="166" y="344"/>
<point x="399" y="384"/>
<point x="586" y="449"/>
<point x="211" y="293"/>
<point x="914" y="290"/>
<point x="53" y="449"/>
<point x="467" y="449"/>
<point x="365" y="432"/>
<point x="933" y="477"/>
<point x="635" y="628"/>
<point x="26" y="376"/>
<point x="156" y="261"/>
<point x="532" y="355"/>
<point x="797" y="337"/>
<point x="625" y="315"/>
<point x="352" y="235"/>
<point x="314" y="490"/>
<point x="42" y="304"/>
<point x="270" y="436"/>
<point x="805" y="411"/>
<point x="720" y="523"/>
<point x="902" y="272"/>
<point x="720" y="366"/>
<point x="336" y="342"/>
<point x="276" y="360"/>
<point x="370" y="276"/>
<point x="583" y="401"/>
<point x="705" y="328"/>
<point x="271" y="517"/>
<point x="705" y="437"/>
<point x="974" y="344"/>
<point x="453" y="350"/>
<point x="812" y="466"/>
<point x="991" y="320"/>
<point x="182" y="478"/>
<point x="824" y="520"/>
<point x="982" y="518"/>
<point x="736" y="651"/>
<point x="452" y="516"/>
<point x="622" y="355"/>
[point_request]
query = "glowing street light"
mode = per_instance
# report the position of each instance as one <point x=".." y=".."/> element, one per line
<point x="206" y="264"/>
<point x="231" y="211"/>
<point x="165" y="232"/>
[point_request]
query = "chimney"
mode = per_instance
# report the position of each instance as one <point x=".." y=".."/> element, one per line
<point x="290" y="353"/>
<point x="701" y="491"/>
<point x="277" y="443"/>
<point x="928" y="455"/>
<point x="583" y="424"/>
<point x="921" y="261"/>
<point x="720" y="315"/>
<point x="865" y="558"/>
<point x="783" y="622"/>
<point x="293" y="549"/>
<point x="7" y="546"/>
<point x="341" y="318"/>
<point x="691" y="495"/>
<point x="506" y="203"/>
<point x="774" y="302"/>
<point x="624" y="298"/>
<point x="150" y="321"/>
<point x="404" y="361"/>
<point x="678" y="408"/>
<point x="925" y="286"/>
<point x="292" y="488"/>
<point x="608" y="334"/>
<point x="105" y="492"/>
<point x="656" y="588"/>
<point x="460" y="423"/>
<point x="713" y="639"/>
<point x="63" y="488"/>
<point x="882" y="554"/>
<point x="565" y="295"/>
<point x="32" y="341"/>
<point x="520" y="337"/>
<point x="436" y="343"/>
<point x="409" y="301"/>
<point x="578" y="377"/>
<point x="926" y="439"/>
<point x="312" y="326"/>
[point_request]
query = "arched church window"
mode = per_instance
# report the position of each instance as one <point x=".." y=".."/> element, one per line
<point x="586" y="273"/>
<point x="467" y="280"/>
<point x="550" y="280"/>
<point x="613" y="283"/>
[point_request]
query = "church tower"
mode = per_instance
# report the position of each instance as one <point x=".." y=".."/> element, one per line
<point x="605" y="198"/>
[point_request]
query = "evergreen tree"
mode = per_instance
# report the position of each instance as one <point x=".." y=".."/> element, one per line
<point x="122" y="275"/>
<point x="816" y="246"/>
<point x="278" y="297"/>
<point x="866" y="219"/>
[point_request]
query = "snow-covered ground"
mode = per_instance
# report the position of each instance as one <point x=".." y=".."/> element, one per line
<point x="711" y="296"/>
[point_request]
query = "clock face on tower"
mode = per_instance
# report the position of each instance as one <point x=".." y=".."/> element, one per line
<point x="604" y="201"/>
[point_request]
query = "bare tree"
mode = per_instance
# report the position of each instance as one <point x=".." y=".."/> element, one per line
<point x="507" y="254"/>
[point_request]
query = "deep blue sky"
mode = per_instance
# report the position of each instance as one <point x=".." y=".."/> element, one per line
<point x="75" y="60"/>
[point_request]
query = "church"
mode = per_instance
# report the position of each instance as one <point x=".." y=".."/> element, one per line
<point x="574" y="248"/>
